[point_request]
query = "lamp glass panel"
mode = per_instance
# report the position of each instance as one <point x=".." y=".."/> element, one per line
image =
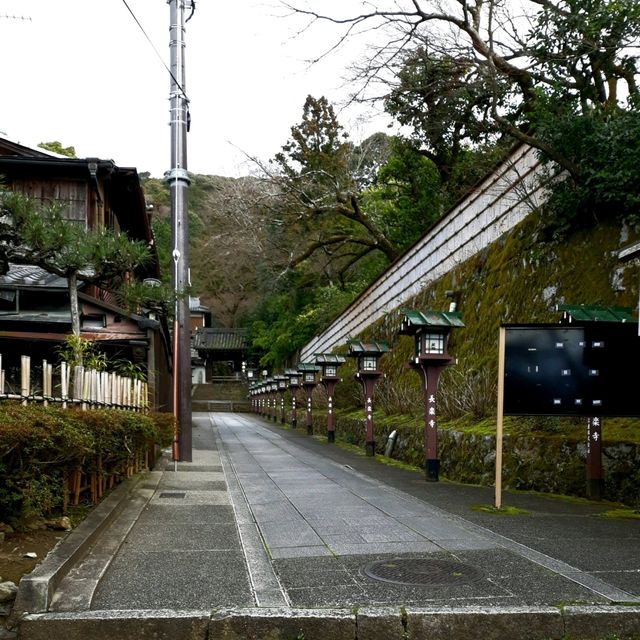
<point x="330" y="370"/>
<point x="309" y="376"/>
<point x="369" y="363"/>
<point x="434" y="343"/>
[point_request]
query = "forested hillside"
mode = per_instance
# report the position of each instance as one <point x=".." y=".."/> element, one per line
<point x="284" y="250"/>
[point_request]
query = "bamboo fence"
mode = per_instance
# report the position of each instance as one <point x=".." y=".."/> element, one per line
<point x="88" y="389"/>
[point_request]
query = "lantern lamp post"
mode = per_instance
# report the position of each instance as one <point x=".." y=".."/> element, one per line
<point x="282" y="382"/>
<point x="308" y="372"/>
<point x="294" y="384"/>
<point x="257" y="389"/>
<point x="431" y="332"/>
<point x="273" y="388"/>
<point x="252" y="396"/>
<point x="266" y="392"/>
<point x="368" y="355"/>
<point x="329" y="364"/>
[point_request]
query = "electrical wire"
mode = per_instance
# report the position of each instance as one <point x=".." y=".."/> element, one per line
<point x="133" y="15"/>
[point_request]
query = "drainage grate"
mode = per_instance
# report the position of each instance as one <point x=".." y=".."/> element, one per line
<point x="166" y="494"/>
<point x="422" y="571"/>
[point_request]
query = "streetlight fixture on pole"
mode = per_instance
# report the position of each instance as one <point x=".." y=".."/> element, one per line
<point x="178" y="179"/>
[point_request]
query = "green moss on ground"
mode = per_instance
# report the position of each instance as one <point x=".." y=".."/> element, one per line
<point x="500" y="511"/>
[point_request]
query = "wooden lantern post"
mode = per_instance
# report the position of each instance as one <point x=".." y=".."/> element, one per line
<point x="368" y="355"/>
<point x="431" y="333"/>
<point x="308" y="372"/>
<point x="329" y="364"/>
<point x="282" y="384"/>
<point x="294" y="384"/>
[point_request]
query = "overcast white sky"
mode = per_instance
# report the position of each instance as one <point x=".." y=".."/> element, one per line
<point x="82" y="72"/>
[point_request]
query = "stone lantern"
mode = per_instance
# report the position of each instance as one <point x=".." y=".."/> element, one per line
<point x="329" y="364"/>
<point x="368" y="355"/>
<point x="308" y="372"/>
<point x="431" y="331"/>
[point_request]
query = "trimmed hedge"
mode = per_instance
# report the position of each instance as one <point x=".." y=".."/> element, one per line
<point x="40" y="445"/>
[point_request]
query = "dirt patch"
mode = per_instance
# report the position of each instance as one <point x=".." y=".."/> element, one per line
<point x="13" y="563"/>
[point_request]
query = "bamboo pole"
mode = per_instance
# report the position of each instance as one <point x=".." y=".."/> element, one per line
<point x="78" y="377"/>
<point x="106" y="388"/>
<point x="64" y="383"/>
<point x="86" y="381"/>
<point x="45" y="384"/>
<point x="25" y="378"/>
<point x="95" y="390"/>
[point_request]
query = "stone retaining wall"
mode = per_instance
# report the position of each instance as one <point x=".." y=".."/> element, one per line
<point x="547" y="463"/>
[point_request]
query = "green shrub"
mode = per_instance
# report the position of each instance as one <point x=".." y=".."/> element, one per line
<point x="37" y="445"/>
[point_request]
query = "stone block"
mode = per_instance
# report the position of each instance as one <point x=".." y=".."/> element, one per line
<point x="477" y="623"/>
<point x="595" y="622"/>
<point x="124" y="625"/>
<point x="283" y="624"/>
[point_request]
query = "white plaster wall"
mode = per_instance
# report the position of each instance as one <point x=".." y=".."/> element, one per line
<point x="497" y="205"/>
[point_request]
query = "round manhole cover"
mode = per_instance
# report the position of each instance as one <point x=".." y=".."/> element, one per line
<point x="422" y="571"/>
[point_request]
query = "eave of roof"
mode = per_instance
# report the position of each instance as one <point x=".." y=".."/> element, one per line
<point x="210" y="339"/>
<point x="416" y="319"/>
<point x="595" y="313"/>
<point x="359" y="348"/>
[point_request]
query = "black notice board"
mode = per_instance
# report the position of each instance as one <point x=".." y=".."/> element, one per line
<point x="569" y="370"/>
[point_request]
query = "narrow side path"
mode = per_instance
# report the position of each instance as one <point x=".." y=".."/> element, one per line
<point x="184" y="551"/>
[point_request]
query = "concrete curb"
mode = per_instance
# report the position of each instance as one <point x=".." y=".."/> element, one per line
<point x="371" y="623"/>
<point x="37" y="588"/>
<point x="115" y="625"/>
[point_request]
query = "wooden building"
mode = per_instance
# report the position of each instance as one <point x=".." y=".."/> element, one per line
<point x="35" y="315"/>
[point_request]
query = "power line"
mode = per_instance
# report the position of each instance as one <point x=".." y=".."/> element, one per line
<point x="133" y="15"/>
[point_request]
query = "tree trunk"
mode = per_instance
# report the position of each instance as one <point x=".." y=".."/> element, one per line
<point x="72" y="279"/>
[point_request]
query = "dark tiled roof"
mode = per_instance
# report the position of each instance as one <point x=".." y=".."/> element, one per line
<point x="220" y="340"/>
<point x="31" y="276"/>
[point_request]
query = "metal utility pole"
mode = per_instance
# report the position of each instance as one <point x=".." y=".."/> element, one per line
<point x="178" y="180"/>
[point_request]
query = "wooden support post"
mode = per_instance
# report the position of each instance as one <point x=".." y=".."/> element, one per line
<point x="76" y="486"/>
<point x="500" y="416"/>
<point x="65" y="491"/>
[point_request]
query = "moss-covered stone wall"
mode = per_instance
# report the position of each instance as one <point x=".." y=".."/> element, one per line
<point x="536" y="462"/>
<point x="519" y="279"/>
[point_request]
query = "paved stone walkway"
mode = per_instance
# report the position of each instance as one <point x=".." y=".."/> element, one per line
<point x="268" y="523"/>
